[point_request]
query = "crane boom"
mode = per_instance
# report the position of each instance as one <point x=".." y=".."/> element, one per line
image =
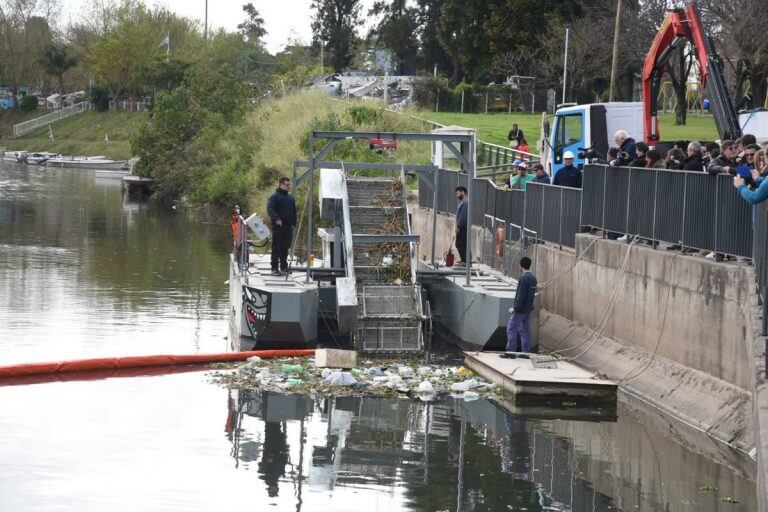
<point x="680" y="26"/>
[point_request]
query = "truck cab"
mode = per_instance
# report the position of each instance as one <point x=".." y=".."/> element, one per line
<point x="591" y="125"/>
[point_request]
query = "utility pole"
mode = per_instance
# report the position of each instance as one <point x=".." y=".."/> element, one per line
<point x="615" y="59"/>
<point x="565" y="60"/>
<point x="205" y="32"/>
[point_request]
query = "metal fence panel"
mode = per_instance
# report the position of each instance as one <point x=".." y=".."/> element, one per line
<point x="616" y="199"/>
<point x="642" y="190"/>
<point x="669" y="206"/>
<point x="571" y="223"/>
<point x="593" y="187"/>
<point x="534" y="204"/>
<point x="734" y="231"/>
<point x="701" y="210"/>
<point x="553" y="207"/>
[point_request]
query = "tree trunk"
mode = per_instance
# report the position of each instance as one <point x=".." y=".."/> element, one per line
<point x="455" y="76"/>
<point x="681" y="108"/>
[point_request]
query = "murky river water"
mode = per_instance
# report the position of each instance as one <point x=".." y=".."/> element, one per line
<point x="85" y="274"/>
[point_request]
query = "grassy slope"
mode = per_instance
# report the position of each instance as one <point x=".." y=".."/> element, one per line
<point x="84" y="134"/>
<point x="494" y="127"/>
<point x="281" y="123"/>
<point x="8" y="118"/>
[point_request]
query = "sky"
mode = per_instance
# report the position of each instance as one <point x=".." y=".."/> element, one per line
<point x="285" y="20"/>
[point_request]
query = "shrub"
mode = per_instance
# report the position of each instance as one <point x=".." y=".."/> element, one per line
<point x="99" y="96"/>
<point x="29" y="103"/>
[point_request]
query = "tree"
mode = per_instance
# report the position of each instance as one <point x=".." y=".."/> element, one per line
<point x="56" y="61"/>
<point x="397" y="30"/>
<point x="253" y="27"/>
<point x="333" y="26"/>
<point x="24" y="34"/>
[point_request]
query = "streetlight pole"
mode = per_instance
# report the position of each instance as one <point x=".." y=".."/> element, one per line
<point x="565" y="60"/>
<point x="615" y="59"/>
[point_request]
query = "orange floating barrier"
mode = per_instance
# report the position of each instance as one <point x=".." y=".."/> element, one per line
<point x="107" y="364"/>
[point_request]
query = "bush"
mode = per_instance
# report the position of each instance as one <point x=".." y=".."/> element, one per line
<point x="29" y="103"/>
<point x="99" y="96"/>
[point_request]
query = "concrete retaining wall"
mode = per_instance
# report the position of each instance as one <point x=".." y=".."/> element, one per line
<point x="683" y="332"/>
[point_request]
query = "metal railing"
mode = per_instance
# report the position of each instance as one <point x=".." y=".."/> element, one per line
<point x="691" y="209"/>
<point x="135" y="106"/>
<point x="38" y="122"/>
<point x="494" y="155"/>
<point x="547" y="212"/>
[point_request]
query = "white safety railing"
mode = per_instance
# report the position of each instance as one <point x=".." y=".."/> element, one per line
<point x="38" y="122"/>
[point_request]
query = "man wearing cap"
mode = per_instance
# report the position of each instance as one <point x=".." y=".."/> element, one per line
<point x="540" y="174"/>
<point x="519" y="181"/>
<point x="568" y="175"/>
<point x="508" y="180"/>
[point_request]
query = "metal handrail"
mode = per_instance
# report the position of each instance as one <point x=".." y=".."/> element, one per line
<point x="412" y="245"/>
<point x="347" y="233"/>
<point x="38" y="122"/>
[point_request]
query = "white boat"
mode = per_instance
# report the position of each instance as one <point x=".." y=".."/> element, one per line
<point x="87" y="163"/>
<point x="113" y="174"/>
<point x="39" y="158"/>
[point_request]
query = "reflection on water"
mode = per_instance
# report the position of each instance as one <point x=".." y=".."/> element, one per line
<point x="82" y="273"/>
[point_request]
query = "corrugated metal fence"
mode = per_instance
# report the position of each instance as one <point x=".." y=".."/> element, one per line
<point x="692" y="209"/>
<point x="687" y="208"/>
<point x="551" y="212"/>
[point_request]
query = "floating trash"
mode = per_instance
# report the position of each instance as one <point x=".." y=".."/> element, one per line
<point x="374" y="378"/>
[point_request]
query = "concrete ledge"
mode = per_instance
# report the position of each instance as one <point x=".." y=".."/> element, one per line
<point x="757" y="344"/>
<point x="709" y="405"/>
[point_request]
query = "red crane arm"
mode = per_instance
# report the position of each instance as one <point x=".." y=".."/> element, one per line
<point x="678" y="27"/>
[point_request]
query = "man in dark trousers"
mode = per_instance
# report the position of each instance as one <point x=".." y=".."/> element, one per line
<point x="461" y="223"/>
<point x="519" y="322"/>
<point x="281" y="208"/>
<point x="569" y="175"/>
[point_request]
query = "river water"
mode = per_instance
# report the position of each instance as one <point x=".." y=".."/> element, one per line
<point x="87" y="273"/>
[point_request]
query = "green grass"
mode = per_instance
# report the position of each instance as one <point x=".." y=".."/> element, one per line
<point x="85" y="134"/>
<point x="281" y="123"/>
<point x="494" y="127"/>
<point x="8" y="118"/>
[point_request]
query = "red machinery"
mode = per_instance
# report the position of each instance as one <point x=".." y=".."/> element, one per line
<point x="680" y="26"/>
<point x="382" y="144"/>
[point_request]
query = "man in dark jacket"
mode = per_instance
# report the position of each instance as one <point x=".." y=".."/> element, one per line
<point x="694" y="161"/>
<point x="541" y="174"/>
<point x="281" y="208"/>
<point x="568" y="176"/>
<point x="461" y="223"/>
<point x="642" y="150"/>
<point x="519" y="322"/>
<point x="627" y="148"/>
<point x="724" y="162"/>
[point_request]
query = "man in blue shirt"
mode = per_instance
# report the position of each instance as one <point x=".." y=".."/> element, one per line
<point x="461" y="223"/>
<point x="519" y="322"/>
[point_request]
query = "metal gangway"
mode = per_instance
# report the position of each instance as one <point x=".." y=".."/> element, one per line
<point x="383" y="264"/>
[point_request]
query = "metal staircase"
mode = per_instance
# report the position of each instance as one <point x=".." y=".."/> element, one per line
<point x="389" y="304"/>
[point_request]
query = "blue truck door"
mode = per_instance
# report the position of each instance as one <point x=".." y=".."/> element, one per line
<point x="568" y="136"/>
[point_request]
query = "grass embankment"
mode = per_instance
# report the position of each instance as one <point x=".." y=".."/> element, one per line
<point x="85" y="134"/>
<point x="8" y="118"/>
<point x="283" y="123"/>
<point x="494" y="127"/>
